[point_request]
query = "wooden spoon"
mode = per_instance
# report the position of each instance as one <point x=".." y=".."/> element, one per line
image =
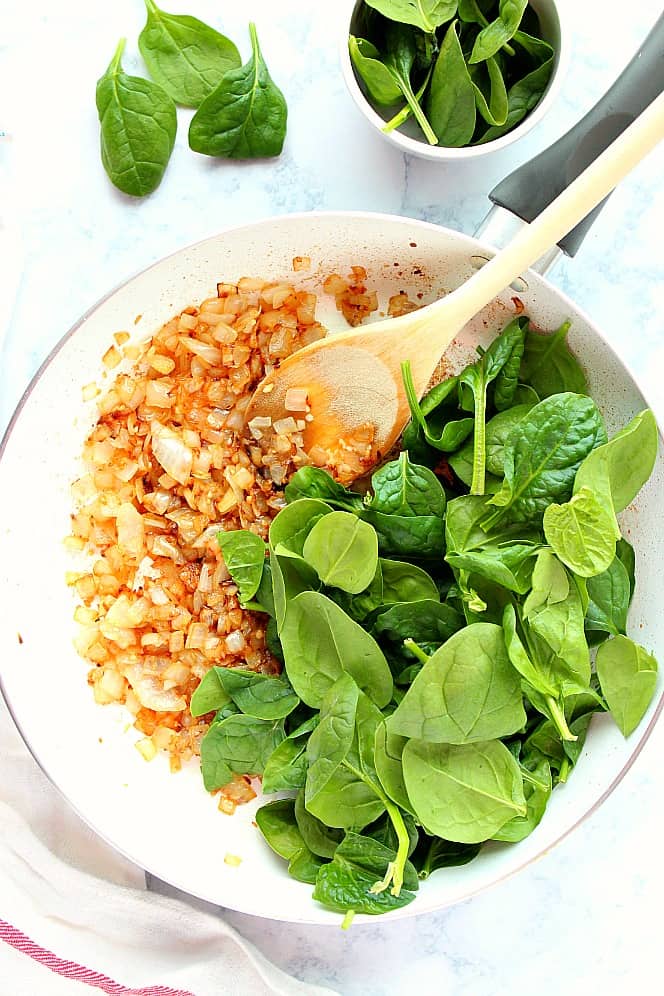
<point x="353" y="379"/>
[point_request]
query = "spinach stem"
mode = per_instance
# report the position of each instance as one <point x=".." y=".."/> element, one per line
<point x="402" y="116"/>
<point x="348" y="919"/>
<point x="564" y="770"/>
<point x="558" y="717"/>
<point x="410" y="644"/>
<point x="402" y="850"/>
<point x="479" y="455"/>
<point x="420" y="116"/>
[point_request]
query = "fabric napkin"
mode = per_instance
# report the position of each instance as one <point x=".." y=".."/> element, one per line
<point x="76" y="917"/>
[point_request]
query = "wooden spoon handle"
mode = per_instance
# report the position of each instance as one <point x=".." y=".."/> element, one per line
<point x="440" y="322"/>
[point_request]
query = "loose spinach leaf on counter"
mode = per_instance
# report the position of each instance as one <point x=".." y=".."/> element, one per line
<point x="138" y="126"/>
<point x="185" y="56"/>
<point x="245" y="115"/>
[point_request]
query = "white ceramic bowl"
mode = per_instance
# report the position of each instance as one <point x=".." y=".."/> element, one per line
<point x="555" y="30"/>
<point x="167" y="823"/>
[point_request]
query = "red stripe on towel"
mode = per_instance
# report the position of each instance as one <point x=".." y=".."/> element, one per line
<point x="70" y="970"/>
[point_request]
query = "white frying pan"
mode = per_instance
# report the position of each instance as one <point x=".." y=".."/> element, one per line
<point x="167" y="823"/>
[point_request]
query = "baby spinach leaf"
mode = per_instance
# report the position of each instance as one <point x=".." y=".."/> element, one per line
<point x="507" y="380"/>
<point x="504" y="556"/>
<point x="239" y="743"/>
<point x="609" y="595"/>
<point x="343" y="886"/>
<point x="425" y="14"/>
<point x="290" y="576"/>
<point x="618" y="470"/>
<point x="376" y="77"/>
<point x="432" y="424"/>
<point x="469" y="11"/>
<point x="290" y="528"/>
<point x="537" y="785"/>
<point x="260" y="695"/>
<point x="463" y="792"/>
<point x="582" y="533"/>
<point x="451" y="98"/>
<point x="276" y="821"/>
<point x="244" y="556"/>
<point x="389" y="748"/>
<point x="286" y="767"/>
<point x="499" y="32"/>
<point x="304" y="866"/>
<point x="343" y="551"/>
<point x="417" y="536"/>
<point x="550" y="583"/>
<point x="245" y="115"/>
<point x="498" y="431"/>
<point x="424" y="621"/>
<point x="549" y="366"/>
<point x="543" y="454"/>
<point x="332" y="739"/>
<point x="492" y="106"/>
<point x="321" y="642"/>
<point x="399" y="57"/>
<point x="321" y="840"/>
<point x="468" y="691"/>
<point x="367" y="852"/>
<point x="628" y="676"/>
<point x="138" y="126"/>
<point x="405" y="582"/>
<point x="403" y="488"/>
<point x="625" y="554"/>
<point x="433" y="853"/>
<point x="522" y="98"/>
<point x="210" y="694"/>
<point x="185" y="56"/>
<point x="313" y="482"/>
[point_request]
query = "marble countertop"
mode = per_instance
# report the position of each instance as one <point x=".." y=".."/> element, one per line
<point x="584" y="918"/>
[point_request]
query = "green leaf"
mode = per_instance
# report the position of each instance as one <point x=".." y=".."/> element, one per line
<point x="451" y="99"/>
<point x="244" y="556"/>
<point x="608" y="599"/>
<point x="537" y="790"/>
<point x="628" y="676"/>
<point x="313" y="482"/>
<point x="376" y="77"/>
<point x="245" y="116"/>
<point x="403" y="488"/>
<point x="424" y="621"/>
<point x="550" y="583"/>
<point x="468" y="691"/>
<point x="494" y="109"/>
<point x="417" y="536"/>
<point x="425" y="14"/>
<point x="276" y="821"/>
<point x="290" y="576"/>
<point x="342" y="886"/>
<point x="286" y="767"/>
<point x="543" y="454"/>
<point x="619" y="469"/>
<point x="522" y="98"/>
<point x="304" y="866"/>
<point x="185" y="56"/>
<point x="405" y="582"/>
<point x="549" y="366"/>
<point x="388" y="750"/>
<point x="320" y="642"/>
<point x="240" y="744"/>
<point x="332" y="739"/>
<point x="433" y="853"/>
<point x="464" y="792"/>
<point x="343" y="551"/>
<point x="499" y="32"/>
<point x="210" y="694"/>
<point x="138" y="126"/>
<point x="321" y="840"/>
<point x="262" y="696"/>
<point x="400" y="56"/>
<point x="290" y="528"/>
<point x="582" y="533"/>
<point x="498" y="431"/>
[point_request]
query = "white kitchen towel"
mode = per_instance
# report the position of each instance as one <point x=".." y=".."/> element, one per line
<point x="75" y="916"/>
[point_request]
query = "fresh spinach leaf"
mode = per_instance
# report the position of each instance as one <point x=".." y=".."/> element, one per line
<point x="332" y="739"/>
<point x="321" y="642"/>
<point x="376" y="76"/>
<point x="463" y="792"/>
<point x="433" y="853"/>
<point x="500" y="31"/>
<point x="240" y="744"/>
<point x="244" y="556"/>
<point x="304" y="866"/>
<point x="400" y="55"/>
<point x="582" y="533"/>
<point x="424" y="14"/>
<point x="259" y="695"/>
<point x="185" y="56"/>
<point x="405" y="582"/>
<point x="628" y="676"/>
<point x="342" y="885"/>
<point x="320" y="839"/>
<point x="290" y="528"/>
<point x="290" y="576"/>
<point x="432" y="423"/>
<point x="549" y="365"/>
<point x="522" y="97"/>
<point x="417" y="536"/>
<point x="467" y="691"/>
<point x="608" y="599"/>
<point x="138" y="126"/>
<point x="343" y="551"/>
<point x="492" y="105"/>
<point x="451" y="100"/>
<point x="387" y="758"/>
<point x="537" y="785"/>
<point x="424" y="621"/>
<point x="618" y="470"/>
<point x="286" y="767"/>
<point x="210" y="694"/>
<point x="276" y="821"/>
<point x="245" y="115"/>
<point x="625" y="554"/>
<point x="543" y="454"/>
<point x="498" y="431"/>
<point x="313" y="482"/>
<point x="403" y="488"/>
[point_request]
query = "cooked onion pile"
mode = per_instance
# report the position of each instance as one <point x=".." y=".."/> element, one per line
<point x="167" y="467"/>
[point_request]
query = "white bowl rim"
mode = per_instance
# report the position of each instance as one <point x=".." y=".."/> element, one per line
<point x="479" y="248"/>
<point x="442" y="153"/>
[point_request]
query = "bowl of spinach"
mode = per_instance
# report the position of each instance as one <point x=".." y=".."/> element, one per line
<point x="454" y="79"/>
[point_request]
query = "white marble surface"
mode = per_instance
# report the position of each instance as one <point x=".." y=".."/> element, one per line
<point x="585" y="918"/>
